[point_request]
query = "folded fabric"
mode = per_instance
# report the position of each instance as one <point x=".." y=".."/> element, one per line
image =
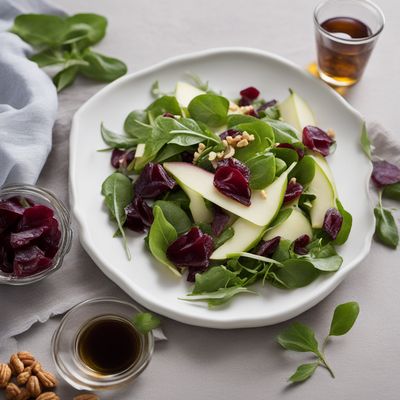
<point x="28" y="100"/>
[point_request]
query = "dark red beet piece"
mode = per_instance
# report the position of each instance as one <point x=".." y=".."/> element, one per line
<point x="192" y="249"/>
<point x="230" y="132"/>
<point x="153" y="181"/>
<point x="300" y="245"/>
<point x="35" y="216"/>
<point x="293" y="191"/>
<point x="29" y="261"/>
<point x="385" y="173"/>
<point x="50" y="240"/>
<point x="267" y="247"/>
<point x="219" y="222"/>
<point x="234" y="163"/>
<point x="250" y="93"/>
<point x="245" y="101"/>
<point x="23" y="238"/>
<point x="332" y="222"/>
<point x="187" y="157"/>
<point x="11" y="212"/>
<point x="191" y="276"/>
<point x="317" y="140"/>
<point x="6" y="264"/>
<point x="121" y="158"/>
<point x="231" y="183"/>
<point x="266" y="105"/>
<point x="168" y="115"/>
<point x="139" y="215"/>
<point x="298" y="150"/>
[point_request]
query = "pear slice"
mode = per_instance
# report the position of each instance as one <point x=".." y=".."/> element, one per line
<point x="185" y="93"/>
<point x="200" y="212"/>
<point x="295" y="226"/>
<point x="296" y="112"/>
<point x="246" y="235"/>
<point x="264" y="204"/>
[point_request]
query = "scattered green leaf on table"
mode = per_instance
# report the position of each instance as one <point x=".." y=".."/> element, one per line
<point x="65" y="77"/>
<point x="344" y="317"/>
<point x="145" y="322"/>
<point x="303" y="372"/>
<point x="298" y="337"/>
<point x="386" y="229"/>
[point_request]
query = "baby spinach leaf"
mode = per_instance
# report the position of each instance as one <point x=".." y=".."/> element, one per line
<point x="344" y="317"/>
<point x="386" y="229"/>
<point x="223" y="237"/>
<point x="298" y="337"/>
<point x="296" y="273"/>
<point x="174" y="215"/>
<point x="304" y="170"/>
<point x="145" y="322"/>
<point x="161" y="235"/>
<point x="118" y="192"/>
<point x="65" y="77"/>
<point x="290" y="156"/>
<point x="137" y="125"/>
<point x="179" y="197"/>
<point x="116" y="141"/>
<point x="284" y="133"/>
<point x="210" y="109"/>
<point x="345" y="229"/>
<point x="392" y="191"/>
<point x="164" y="104"/>
<point x="365" y="141"/>
<point x="214" y="279"/>
<point x="303" y="372"/>
<point x="280" y="166"/>
<point x="169" y="151"/>
<point x="262" y="171"/>
<point x="48" y="57"/>
<point x="219" y="297"/>
<point x="237" y="119"/>
<point x="101" y="67"/>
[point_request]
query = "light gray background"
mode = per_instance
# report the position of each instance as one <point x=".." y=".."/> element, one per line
<point x="201" y="363"/>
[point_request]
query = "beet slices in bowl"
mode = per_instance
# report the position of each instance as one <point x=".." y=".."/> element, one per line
<point x="35" y="234"/>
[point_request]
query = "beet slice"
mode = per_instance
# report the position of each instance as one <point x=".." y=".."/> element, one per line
<point x="300" y="244"/>
<point x="50" y="240"/>
<point x="234" y="163"/>
<point x="35" y="216"/>
<point x="293" y="191"/>
<point x="384" y="173"/>
<point x="192" y="249"/>
<point x="220" y="221"/>
<point x="29" y="261"/>
<point x="11" y="212"/>
<point x="121" y="158"/>
<point x="317" y="140"/>
<point x="23" y="238"/>
<point x="332" y="222"/>
<point x="267" y="247"/>
<point x="139" y="215"/>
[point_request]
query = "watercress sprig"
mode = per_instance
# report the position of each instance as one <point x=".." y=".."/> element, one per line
<point x="301" y="338"/>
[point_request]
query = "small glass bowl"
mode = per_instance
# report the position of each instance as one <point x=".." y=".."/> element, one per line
<point x="64" y="345"/>
<point x="45" y="197"/>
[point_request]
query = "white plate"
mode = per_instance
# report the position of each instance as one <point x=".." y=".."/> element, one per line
<point x="228" y="70"/>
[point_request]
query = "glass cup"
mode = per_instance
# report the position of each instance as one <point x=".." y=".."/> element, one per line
<point x="346" y="32"/>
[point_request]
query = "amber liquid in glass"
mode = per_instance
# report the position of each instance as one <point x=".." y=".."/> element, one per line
<point x="343" y="62"/>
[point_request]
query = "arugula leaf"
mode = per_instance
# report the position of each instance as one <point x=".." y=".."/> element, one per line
<point x="65" y="77"/>
<point x="137" y="125"/>
<point x="262" y="171"/>
<point x="347" y="223"/>
<point x="252" y="256"/>
<point x="304" y="170"/>
<point x="210" y="109"/>
<point x="392" y="191"/>
<point x="101" y="67"/>
<point x="174" y="215"/>
<point x="145" y="322"/>
<point x="365" y="142"/>
<point x="386" y="229"/>
<point x="219" y="297"/>
<point x="298" y="337"/>
<point x="214" y="279"/>
<point x="303" y="372"/>
<point x="295" y="273"/>
<point x="116" y="141"/>
<point x="344" y="317"/>
<point x="118" y="192"/>
<point x="161" y="235"/>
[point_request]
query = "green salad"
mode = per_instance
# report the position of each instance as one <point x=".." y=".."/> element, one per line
<point x="227" y="192"/>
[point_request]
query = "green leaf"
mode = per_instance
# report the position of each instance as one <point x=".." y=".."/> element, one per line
<point x="223" y="237"/>
<point x="385" y="227"/>
<point x="219" y="297"/>
<point x="365" y="141"/>
<point x="252" y="256"/>
<point x="214" y="279"/>
<point x="118" y="192"/>
<point x="65" y="77"/>
<point x="164" y="104"/>
<point x="161" y="235"/>
<point x="344" y="317"/>
<point x="347" y="223"/>
<point x="137" y="125"/>
<point x="145" y="322"/>
<point x="174" y="215"/>
<point x="48" y="57"/>
<point x="392" y="191"/>
<point x="290" y="156"/>
<point x="210" y="109"/>
<point x="304" y="170"/>
<point x="40" y="29"/>
<point x="284" y="133"/>
<point x="324" y="258"/>
<point x="179" y="197"/>
<point x="101" y="67"/>
<point x="198" y="82"/>
<point x="298" y="337"/>
<point x="280" y="166"/>
<point x="303" y="372"/>
<point x="282" y="252"/>
<point x="117" y="141"/>
<point x="296" y="273"/>
<point x="262" y="171"/>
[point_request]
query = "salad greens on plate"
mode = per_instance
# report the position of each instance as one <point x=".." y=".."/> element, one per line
<point x="230" y="191"/>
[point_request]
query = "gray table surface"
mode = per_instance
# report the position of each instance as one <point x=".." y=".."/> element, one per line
<point x="199" y="363"/>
